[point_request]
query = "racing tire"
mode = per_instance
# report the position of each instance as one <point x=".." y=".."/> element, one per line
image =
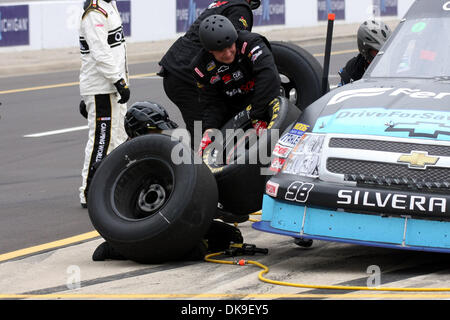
<point x="301" y="74"/>
<point x="149" y="209"/>
<point x="241" y="177"/>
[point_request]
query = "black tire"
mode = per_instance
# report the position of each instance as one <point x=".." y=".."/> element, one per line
<point x="301" y="73"/>
<point x="240" y="182"/>
<point x="149" y="209"/>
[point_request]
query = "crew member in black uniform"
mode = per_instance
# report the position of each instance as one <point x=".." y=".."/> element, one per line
<point x="234" y="71"/>
<point x="179" y="84"/>
<point x="371" y="37"/>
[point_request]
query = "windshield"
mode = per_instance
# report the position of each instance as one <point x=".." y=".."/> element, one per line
<point x="421" y="49"/>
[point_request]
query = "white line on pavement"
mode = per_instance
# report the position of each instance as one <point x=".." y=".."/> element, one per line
<point x="50" y="133"/>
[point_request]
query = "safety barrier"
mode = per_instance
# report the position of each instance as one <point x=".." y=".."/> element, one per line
<point x="35" y="25"/>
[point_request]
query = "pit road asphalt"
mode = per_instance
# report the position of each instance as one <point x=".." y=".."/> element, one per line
<point x="40" y="175"/>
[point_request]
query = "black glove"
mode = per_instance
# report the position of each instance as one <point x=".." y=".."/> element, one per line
<point x="123" y="90"/>
<point x="83" y="110"/>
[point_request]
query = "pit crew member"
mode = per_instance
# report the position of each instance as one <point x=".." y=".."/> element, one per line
<point x="176" y="69"/>
<point x="103" y="83"/>
<point x="371" y="37"/>
<point x="244" y="75"/>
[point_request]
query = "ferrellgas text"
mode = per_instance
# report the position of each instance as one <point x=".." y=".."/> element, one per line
<point x="230" y="309"/>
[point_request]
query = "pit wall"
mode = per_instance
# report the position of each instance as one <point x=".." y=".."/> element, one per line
<point x="37" y="25"/>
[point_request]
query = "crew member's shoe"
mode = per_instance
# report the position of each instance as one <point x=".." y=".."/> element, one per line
<point x="104" y="251"/>
<point x="229" y="217"/>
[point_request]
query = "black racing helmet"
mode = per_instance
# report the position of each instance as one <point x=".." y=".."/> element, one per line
<point x="217" y="33"/>
<point x="372" y="35"/>
<point x="254" y="4"/>
<point x="145" y="117"/>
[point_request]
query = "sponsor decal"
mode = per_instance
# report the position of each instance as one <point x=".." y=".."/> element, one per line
<point x="371" y="92"/>
<point x="104" y="119"/>
<point x="348" y="94"/>
<point x="277" y="164"/>
<point x="244" y="22"/>
<point x="217" y="4"/>
<point x="299" y="128"/>
<point x="428" y="55"/>
<point x="256" y="55"/>
<point x="233" y="92"/>
<point x="402" y="123"/>
<point x="281" y="151"/>
<point x="227" y="78"/>
<point x="124" y="7"/>
<point x="271" y="12"/>
<point x="197" y="70"/>
<point x="244" y="89"/>
<point x="446" y="6"/>
<point x="420" y="128"/>
<point x="298" y="191"/>
<point x="385" y="8"/>
<point x="324" y="7"/>
<point x="14" y="26"/>
<point x="247" y="87"/>
<point x="210" y="66"/>
<point x="199" y="85"/>
<point x="238" y="75"/>
<point x="275" y="111"/>
<point x="272" y="188"/>
<point x="244" y="46"/>
<point x="418" y="160"/>
<point x="290" y="140"/>
<point x="253" y="50"/>
<point x="215" y="79"/>
<point x="101" y="143"/>
<point x="223" y="68"/>
<point x="398" y="201"/>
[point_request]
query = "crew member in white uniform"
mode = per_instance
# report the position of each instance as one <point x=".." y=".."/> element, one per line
<point x="103" y="83"/>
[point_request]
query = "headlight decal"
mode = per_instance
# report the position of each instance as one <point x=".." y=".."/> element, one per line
<point x="304" y="159"/>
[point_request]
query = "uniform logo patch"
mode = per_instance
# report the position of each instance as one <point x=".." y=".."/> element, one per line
<point x="223" y="68"/>
<point x="215" y="79"/>
<point x="197" y="70"/>
<point x="217" y="4"/>
<point x="244" y="22"/>
<point x="238" y="75"/>
<point x="211" y="66"/>
<point x="227" y="78"/>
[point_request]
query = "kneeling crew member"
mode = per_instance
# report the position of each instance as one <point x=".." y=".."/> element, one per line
<point x="234" y="70"/>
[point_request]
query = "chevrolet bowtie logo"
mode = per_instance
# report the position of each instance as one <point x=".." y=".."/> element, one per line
<point x="418" y="160"/>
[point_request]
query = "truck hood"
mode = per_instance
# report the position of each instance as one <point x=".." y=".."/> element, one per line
<point x="413" y="108"/>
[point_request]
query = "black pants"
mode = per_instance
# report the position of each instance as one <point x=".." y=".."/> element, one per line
<point x="185" y="96"/>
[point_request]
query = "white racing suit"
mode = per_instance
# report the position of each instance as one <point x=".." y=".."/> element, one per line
<point x="103" y="63"/>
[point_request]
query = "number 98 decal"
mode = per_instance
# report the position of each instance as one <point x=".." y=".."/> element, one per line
<point x="298" y="191"/>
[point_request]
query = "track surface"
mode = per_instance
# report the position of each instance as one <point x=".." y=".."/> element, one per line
<point x="40" y="176"/>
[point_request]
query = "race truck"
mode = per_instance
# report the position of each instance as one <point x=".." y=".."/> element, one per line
<point x="369" y="163"/>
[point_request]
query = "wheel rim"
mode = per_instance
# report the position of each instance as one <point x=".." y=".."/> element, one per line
<point x="289" y="89"/>
<point x="152" y="199"/>
<point x="142" y="189"/>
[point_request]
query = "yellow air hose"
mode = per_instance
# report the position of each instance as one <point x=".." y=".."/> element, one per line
<point x="265" y="270"/>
